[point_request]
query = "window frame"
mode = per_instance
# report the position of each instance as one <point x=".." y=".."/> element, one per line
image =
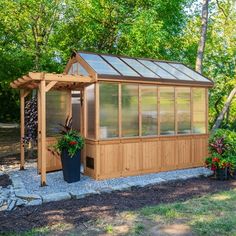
<point x="140" y="85"/>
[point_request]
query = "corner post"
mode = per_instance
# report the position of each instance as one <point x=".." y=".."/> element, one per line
<point x="42" y="122"/>
<point x="22" y="129"/>
<point x="39" y="132"/>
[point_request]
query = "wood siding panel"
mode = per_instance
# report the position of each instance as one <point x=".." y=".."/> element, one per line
<point x="151" y="157"/>
<point x="183" y="152"/>
<point x="168" y="154"/>
<point x="131" y="157"/>
<point x="200" y="150"/>
<point x="53" y="161"/>
<point x="110" y="160"/>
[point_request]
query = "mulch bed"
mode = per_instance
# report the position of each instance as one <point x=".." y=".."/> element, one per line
<point x="5" y="181"/>
<point x="107" y="205"/>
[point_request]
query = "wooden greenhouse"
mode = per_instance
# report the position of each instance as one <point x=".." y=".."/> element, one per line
<point x="137" y="115"/>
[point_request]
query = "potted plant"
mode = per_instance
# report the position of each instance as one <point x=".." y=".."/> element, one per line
<point x="69" y="145"/>
<point x="221" y="160"/>
<point x="221" y="166"/>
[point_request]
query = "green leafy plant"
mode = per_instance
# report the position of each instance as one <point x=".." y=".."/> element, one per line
<point x="71" y="140"/>
<point x="222" y="151"/>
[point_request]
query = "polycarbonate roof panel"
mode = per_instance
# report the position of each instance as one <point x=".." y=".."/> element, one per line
<point x="98" y="64"/>
<point x="157" y="69"/>
<point x="141" y="69"/>
<point x="175" y="72"/>
<point x="123" y="67"/>
<point x="191" y="73"/>
<point x="120" y="66"/>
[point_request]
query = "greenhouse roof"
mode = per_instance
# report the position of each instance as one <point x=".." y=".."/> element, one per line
<point x="127" y="68"/>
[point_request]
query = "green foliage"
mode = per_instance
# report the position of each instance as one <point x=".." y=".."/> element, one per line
<point x="41" y="34"/>
<point x="229" y="140"/>
<point x="71" y="141"/>
<point x="222" y="149"/>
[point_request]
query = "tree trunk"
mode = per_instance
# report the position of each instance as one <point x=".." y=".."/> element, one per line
<point x="224" y="110"/>
<point x="202" y="41"/>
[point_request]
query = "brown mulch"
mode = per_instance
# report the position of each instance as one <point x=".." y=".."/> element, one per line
<point x="5" y="181"/>
<point x="107" y="205"/>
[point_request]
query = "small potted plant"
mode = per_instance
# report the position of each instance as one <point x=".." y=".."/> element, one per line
<point x="69" y="145"/>
<point x="221" y="160"/>
<point x="221" y="166"/>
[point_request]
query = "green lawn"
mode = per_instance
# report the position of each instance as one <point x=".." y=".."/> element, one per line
<point x="209" y="215"/>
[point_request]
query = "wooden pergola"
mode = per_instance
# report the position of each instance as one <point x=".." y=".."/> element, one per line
<point x="43" y="83"/>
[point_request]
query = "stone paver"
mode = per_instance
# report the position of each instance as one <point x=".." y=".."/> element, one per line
<point x="26" y="190"/>
<point x="56" y="197"/>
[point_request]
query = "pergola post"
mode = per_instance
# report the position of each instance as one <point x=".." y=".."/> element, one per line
<point x="42" y="125"/>
<point x="39" y="131"/>
<point x="23" y="94"/>
<point x="22" y="129"/>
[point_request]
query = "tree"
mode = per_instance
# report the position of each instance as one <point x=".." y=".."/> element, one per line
<point x="224" y="110"/>
<point x="202" y="41"/>
<point x="29" y="24"/>
<point x="223" y="55"/>
<point x="149" y="28"/>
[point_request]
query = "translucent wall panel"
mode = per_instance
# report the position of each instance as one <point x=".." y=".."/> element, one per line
<point x="90" y="90"/>
<point x="56" y="111"/>
<point x="141" y="69"/>
<point x="129" y="102"/>
<point x="98" y="64"/>
<point x="108" y="99"/>
<point x="76" y="110"/>
<point x="120" y="66"/>
<point x="149" y="110"/>
<point x="199" y="110"/>
<point x="77" y="69"/>
<point x="183" y="115"/>
<point x="167" y="110"/>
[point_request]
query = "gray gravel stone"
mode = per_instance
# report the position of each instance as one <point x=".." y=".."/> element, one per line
<point x="82" y="193"/>
<point x="20" y="192"/>
<point x="56" y="197"/>
<point x="1" y="202"/>
<point x="35" y="202"/>
<point x="120" y="187"/>
<point x="17" y="183"/>
<point x="11" y="205"/>
<point x="28" y="196"/>
<point x="21" y="202"/>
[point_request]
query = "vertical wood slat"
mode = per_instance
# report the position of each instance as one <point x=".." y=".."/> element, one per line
<point x="139" y="112"/>
<point x="85" y="113"/>
<point x="119" y="110"/>
<point x="81" y="114"/>
<point x="22" y="129"/>
<point x="97" y="110"/>
<point x="206" y="110"/>
<point x="158" y="112"/>
<point x="175" y="110"/>
<point x="69" y="104"/>
<point x="43" y="132"/>
<point x="191" y="110"/>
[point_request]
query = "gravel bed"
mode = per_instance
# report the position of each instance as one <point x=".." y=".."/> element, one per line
<point x="26" y="189"/>
<point x="56" y="183"/>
